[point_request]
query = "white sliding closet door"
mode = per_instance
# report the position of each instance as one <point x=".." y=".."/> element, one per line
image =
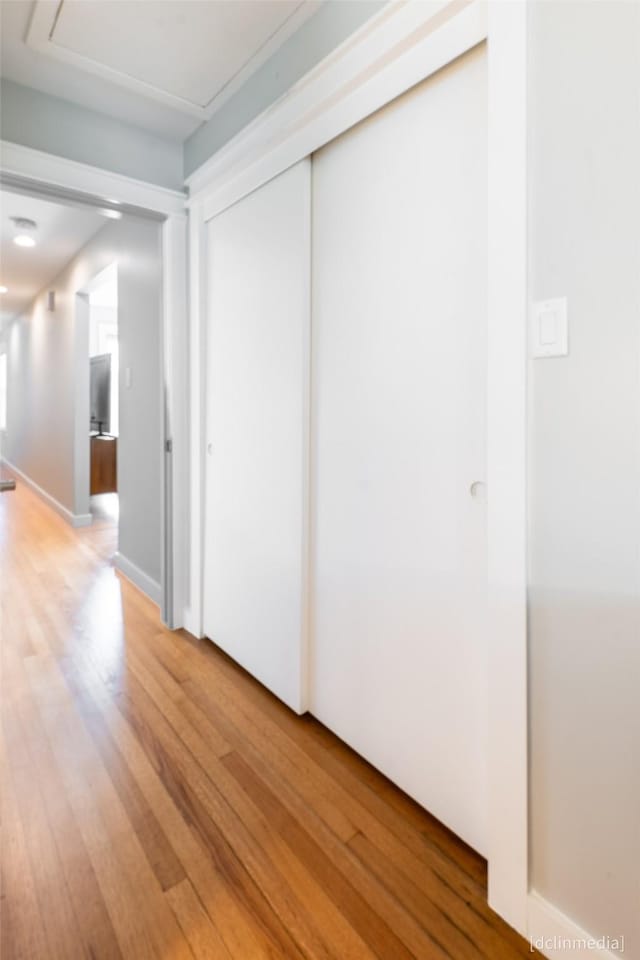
<point x="257" y="432"/>
<point x="398" y="655"/>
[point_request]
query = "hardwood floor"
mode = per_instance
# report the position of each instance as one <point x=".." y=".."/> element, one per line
<point x="159" y="803"/>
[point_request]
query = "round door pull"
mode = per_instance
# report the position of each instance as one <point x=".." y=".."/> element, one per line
<point x="478" y="490"/>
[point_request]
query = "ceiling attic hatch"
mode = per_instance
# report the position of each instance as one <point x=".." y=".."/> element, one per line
<point x="192" y="56"/>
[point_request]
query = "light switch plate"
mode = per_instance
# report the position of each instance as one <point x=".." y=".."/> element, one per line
<point x="550" y="328"/>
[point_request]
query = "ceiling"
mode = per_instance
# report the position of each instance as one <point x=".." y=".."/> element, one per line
<point x="62" y="231"/>
<point x="163" y="65"/>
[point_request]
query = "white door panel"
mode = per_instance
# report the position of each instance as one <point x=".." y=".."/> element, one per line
<point x="398" y="658"/>
<point x="257" y="432"/>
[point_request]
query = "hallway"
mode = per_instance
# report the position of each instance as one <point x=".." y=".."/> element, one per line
<point x="159" y="803"/>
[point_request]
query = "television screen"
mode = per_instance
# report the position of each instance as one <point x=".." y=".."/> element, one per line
<point x="100" y="393"/>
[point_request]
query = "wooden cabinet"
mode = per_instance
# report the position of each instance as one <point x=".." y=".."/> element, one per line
<point x="104" y="465"/>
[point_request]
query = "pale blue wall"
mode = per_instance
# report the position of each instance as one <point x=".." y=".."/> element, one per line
<point x="38" y="120"/>
<point x="329" y="27"/>
<point x="43" y="122"/>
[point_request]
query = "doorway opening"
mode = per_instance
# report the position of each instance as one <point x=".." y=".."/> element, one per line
<point x="104" y="366"/>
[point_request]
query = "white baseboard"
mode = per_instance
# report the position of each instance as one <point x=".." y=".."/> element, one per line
<point x="191" y="624"/>
<point x="138" y="577"/>
<point x="556" y="936"/>
<point x="74" y="519"/>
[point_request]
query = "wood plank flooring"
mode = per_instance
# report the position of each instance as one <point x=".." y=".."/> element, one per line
<point x="157" y="802"/>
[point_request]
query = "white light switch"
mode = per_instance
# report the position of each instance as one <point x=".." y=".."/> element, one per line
<point x="128" y="378"/>
<point x="550" y="328"/>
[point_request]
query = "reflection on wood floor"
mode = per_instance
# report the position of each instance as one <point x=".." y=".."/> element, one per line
<point x="159" y="803"/>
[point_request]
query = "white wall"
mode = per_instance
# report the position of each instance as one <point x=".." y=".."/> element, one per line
<point x="3" y="387"/>
<point x="48" y="368"/>
<point x="101" y="317"/>
<point x="39" y="439"/>
<point x="585" y="466"/>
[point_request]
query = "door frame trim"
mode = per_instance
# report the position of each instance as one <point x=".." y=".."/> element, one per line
<point x="81" y="183"/>
<point x="399" y="47"/>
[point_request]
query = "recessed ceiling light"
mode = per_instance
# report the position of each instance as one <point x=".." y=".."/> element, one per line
<point x="111" y="214"/>
<point x="4" y="289"/>
<point x="24" y="232"/>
